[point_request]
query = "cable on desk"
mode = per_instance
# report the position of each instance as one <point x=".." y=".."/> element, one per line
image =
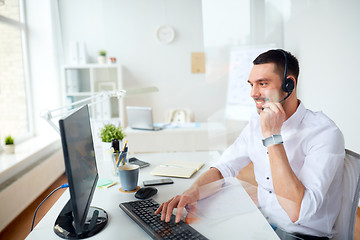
<point x="62" y="186"/>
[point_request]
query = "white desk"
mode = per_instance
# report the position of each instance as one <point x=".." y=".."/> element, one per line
<point x="250" y="225"/>
<point x="208" y="136"/>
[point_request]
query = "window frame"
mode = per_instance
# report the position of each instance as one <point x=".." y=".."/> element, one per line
<point x="21" y="25"/>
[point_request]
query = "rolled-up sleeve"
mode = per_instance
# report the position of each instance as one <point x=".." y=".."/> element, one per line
<point x="234" y="157"/>
<point x="321" y="174"/>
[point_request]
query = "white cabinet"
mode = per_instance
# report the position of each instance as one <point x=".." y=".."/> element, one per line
<point x="84" y="81"/>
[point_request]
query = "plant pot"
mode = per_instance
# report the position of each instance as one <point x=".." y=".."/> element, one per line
<point x="101" y="59"/>
<point x="9" y="149"/>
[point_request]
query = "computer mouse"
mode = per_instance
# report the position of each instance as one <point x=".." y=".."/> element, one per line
<point x="146" y="192"/>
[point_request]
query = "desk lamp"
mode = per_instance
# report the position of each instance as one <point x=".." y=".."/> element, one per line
<point x="48" y="115"/>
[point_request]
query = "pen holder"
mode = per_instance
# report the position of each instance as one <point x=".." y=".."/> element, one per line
<point x="119" y="159"/>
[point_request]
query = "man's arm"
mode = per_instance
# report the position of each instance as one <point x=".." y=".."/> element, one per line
<point x="192" y="195"/>
<point x="288" y="188"/>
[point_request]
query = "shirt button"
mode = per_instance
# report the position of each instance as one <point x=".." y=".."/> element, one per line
<point x="267" y="178"/>
<point x="270" y="192"/>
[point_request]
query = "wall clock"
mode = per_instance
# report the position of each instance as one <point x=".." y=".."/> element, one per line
<point x="165" y="34"/>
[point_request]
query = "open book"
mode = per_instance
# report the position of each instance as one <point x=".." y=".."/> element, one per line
<point x="181" y="169"/>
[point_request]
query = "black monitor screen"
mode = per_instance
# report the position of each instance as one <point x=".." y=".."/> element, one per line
<point x="80" y="163"/>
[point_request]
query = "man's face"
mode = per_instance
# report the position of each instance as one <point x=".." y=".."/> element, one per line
<point x="265" y="85"/>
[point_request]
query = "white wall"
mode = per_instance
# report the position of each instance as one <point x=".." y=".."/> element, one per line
<point x="125" y="28"/>
<point x="325" y="36"/>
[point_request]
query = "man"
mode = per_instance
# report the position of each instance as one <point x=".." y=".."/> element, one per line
<point x="298" y="155"/>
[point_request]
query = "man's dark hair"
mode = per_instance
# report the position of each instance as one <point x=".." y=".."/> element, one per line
<point x="277" y="57"/>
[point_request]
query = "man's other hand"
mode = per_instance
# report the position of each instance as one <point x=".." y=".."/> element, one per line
<point x="272" y="119"/>
<point x="188" y="199"/>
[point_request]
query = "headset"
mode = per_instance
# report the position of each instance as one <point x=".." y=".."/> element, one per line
<point x="287" y="84"/>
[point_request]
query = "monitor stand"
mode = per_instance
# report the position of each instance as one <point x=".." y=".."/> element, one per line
<point x="96" y="220"/>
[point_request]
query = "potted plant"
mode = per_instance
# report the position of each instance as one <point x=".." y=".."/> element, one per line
<point x="109" y="133"/>
<point x="9" y="145"/>
<point x="102" y="57"/>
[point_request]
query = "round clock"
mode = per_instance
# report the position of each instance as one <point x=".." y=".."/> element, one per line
<point x="165" y="34"/>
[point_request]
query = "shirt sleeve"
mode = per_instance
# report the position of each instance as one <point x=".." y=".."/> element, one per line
<point x="235" y="157"/>
<point x="322" y="170"/>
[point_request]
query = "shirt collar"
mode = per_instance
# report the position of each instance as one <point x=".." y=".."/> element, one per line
<point x="296" y="118"/>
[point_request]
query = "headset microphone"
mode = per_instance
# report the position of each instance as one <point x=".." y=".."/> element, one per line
<point x="288" y="94"/>
<point x="287" y="84"/>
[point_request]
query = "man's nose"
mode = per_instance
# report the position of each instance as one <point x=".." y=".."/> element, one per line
<point x="254" y="92"/>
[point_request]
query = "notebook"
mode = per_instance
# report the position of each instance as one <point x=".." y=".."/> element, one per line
<point x="181" y="169"/>
<point x="141" y="118"/>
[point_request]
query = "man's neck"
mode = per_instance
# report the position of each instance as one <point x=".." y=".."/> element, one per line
<point x="290" y="106"/>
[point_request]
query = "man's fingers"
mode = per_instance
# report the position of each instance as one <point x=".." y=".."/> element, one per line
<point x="273" y="107"/>
<point x="280" y="107"/>
<point x="170" y="207"/>
<point x="159" y="209"/>
<point x="179" y="202"/>
<point x="179" y="214"/>
<point x="163" y="210"/>
<point x="180" y="208"/>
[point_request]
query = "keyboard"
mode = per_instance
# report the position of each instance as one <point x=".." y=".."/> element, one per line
<point x="142" y="212"/>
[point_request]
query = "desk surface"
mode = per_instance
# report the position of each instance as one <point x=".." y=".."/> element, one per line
<point x="249" y="225"/>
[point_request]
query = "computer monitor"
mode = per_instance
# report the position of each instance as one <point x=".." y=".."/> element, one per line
<point x="77" y="219"/>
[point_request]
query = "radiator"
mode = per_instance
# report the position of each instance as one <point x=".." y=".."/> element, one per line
<point x="21" y="190"/>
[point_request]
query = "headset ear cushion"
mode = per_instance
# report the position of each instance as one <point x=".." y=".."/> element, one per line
<point x="288" y="85"/>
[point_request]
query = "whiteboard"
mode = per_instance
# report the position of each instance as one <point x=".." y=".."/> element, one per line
<point x="239" y="103"/>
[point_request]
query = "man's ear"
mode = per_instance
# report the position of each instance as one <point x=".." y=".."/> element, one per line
<point x="288" y="84"/>
<point x="294" y="80"/>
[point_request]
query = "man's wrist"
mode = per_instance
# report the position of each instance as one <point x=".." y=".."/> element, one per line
<point x="272" y="140"/>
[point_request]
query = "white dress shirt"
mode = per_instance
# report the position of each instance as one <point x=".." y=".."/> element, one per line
<point x="315" y="149"/>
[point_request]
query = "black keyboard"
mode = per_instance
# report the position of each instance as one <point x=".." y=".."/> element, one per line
<point x="142" y="212"/>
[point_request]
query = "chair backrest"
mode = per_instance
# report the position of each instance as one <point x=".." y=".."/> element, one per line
<point x="179" y="115"/>
<point x="351" y="188"/>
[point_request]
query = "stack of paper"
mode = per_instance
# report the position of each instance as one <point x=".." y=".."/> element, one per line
<point x="181" y="169"/>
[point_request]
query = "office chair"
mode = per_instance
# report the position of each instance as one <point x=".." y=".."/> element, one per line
<point x="345" y="222"/>
<point x="179" y="115"/>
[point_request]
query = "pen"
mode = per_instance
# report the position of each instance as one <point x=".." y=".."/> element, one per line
<point x="125" y="145"/>
<point x="173" y="166"/>
<point x="117" y="159"/>
<point x="110" y="185"/>
<point x="121" y="159"/>
<point x="123" y="156"/>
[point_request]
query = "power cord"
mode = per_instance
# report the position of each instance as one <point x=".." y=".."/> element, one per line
<point x="62" y="186"/>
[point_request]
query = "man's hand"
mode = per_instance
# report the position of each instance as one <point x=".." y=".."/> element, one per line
<point x="272" y="118"/>
<point x="200" y="188"/>
<point x="188" y="199"/>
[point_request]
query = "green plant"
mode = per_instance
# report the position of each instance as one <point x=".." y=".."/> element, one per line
<point x="102" y="53"/>
<point x="110" y="132"/>
<point x="9" y="140"/>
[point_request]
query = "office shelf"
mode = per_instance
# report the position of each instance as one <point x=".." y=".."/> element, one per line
<point x="86" y="80"/>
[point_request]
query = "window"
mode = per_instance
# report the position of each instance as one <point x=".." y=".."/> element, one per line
<point x="14" y="100"/>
